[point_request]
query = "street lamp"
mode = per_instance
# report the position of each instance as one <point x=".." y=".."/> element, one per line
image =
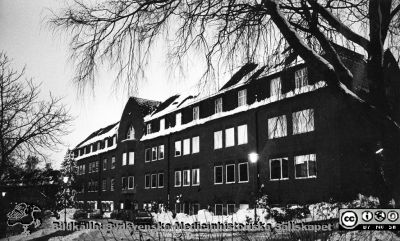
<point x="253" y="158"/>
<point x="3" y="194"/>
<point x="65" y="180"/>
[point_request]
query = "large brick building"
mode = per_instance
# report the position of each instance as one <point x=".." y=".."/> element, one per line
<point x="281" y="133"/>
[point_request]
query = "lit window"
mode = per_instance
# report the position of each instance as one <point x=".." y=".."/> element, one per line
<point x="130" y="133"/>
<point x="154" y="153"/>
<point x="242" y="97"/>
<point x="160" y="180"/>
<point x="305" y="166"/>
<point x="112" y="162"/>
<point x="279" y="169"/>
<point x="230" y="173"/>
<point x="178" y="179"/>
<point x="178" y="148"/>
<point x="153" y="180"/>
<point x="196" y="177"/>
<point x="131" y="182"/>
<point x="162" y="124"/>
<point x="230" y="137"/>
<point x="277" y="127"/>
<point x="218" y="175"/>
<point x="112" y="184"/>
<point x="195" y="144"/>
<point x="275" y="87"/>
<point x="147" y="155"/>
<point x="147" y="181"/>
<point x="148" y="128"/>
<point x="104" y="164"/>
<point x="196" y="113"/>
<point x="131" y="159"/>
<point x="300" y="78"/>
<point x="242" y="134"/>
<point x="217" y="139"/>
<point x="186" y="147"/>
<point x="186" y="177"/>
<point x="303" y="121"/>
<point x="124" y="183"/>
<point x="178" y="119"/>
<point x="124" y="159"/>
<point x="160" y="152"/>
<point x="243" y="172"/>
<point x="218" y="105"/>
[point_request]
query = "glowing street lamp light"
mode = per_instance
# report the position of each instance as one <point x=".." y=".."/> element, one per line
<point x="65" y="180"/>
<point x="3" y="194"/>
<point x="253" y="157"/>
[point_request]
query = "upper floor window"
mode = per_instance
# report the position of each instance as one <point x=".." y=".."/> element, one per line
<point x="178" y="119"/>
<point x="186" y="146"/>
<point x="114" y="140"/>
<point x="277" y="127"/>
<point x="186" y="177"/>
<point x="148" y="128"/>
<point x="105" y="161"/>
<point x="160" y="152"/>
<point x="303" y="121"/>
<point x="131" y="158"/>
<point x="217" y="139"/>
<point x="160" y="180"/>
<point x="112" y="184"/>
<point x="178" y="148"/>
<point x="130" y="134"/>
<point x="178" y="179"/>
<point x="243" y="172"/>
<point x="124" y="155"/>
<point x="275" y="87"/>
<point x="154" y="153"/>
<point x="305" y="166"/>
<point x="153" y="180"/>
<point x="230" y="173"/>
<point x="195" y="144"/>
<point x="196" y="113"/>
<point x="279" y="169"/>
<point x="147" y="181"/>
<point x="242" y="97"/>
<point x="131" y="182"/>
<point x="196" y="177"/>
<point x="124" y="184"/>
<point x="147" y="155"/>
<point x="218" y="105"/>
<point x="218" y="174"/>
<point x="162" y="124"/>
<point x="242" y="134"/>
<point x="230" y="137"/>
<point x="98" y="145"/>
<point x="113" y="162"/>
<point x="106" y="142"/>
<point x="300" y="78"/>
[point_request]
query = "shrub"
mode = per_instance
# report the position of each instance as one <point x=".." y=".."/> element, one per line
<point x="289" y="213"/>
<point x="95" y="215"/>
<point x="80" y="214"/>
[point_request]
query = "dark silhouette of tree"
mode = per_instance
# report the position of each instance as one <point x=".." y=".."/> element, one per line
<point x="28" y="125"/>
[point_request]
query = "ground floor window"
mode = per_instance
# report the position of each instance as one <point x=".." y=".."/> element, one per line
<point x="121" y="205"/>
<point x="147" y="206"/>
<point x="230" y="208"/>
<point x="194" y="208"/>
<point x="219" y="209"/>
<point x="92" y="205"/>
<point x="107" y="206"/>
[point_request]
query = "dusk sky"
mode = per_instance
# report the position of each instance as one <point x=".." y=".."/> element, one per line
<point x="28" y="41"/>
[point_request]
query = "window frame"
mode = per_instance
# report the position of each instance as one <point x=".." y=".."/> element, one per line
<point x="147" y="155"/>
<point x="131" y="158"/>
<point x="162" y="124"/>
<point x="272" y="135"/>
<point x="240" y="164"/>
<point x="308" y="166"/>
<point x="226" y="173"/>
<point x="105" y="164"/>
<point x="123" y="181"/>
<point x="278" y="79"/>
<point x="246" y="140"/>
<point x="222" y="175"/>
<point x="148" y="128"/>
<point x="158" y="182"/>
<point x="303" y="76"/>
<point x="180" y="178"/>
<point x="281" y="174"/>
<point x="113" y="162"/>
<point x="297" y="127"/>
<point x="147" y="177"/>
<point x="242" y="97"/>
<point x="180" y="148"/>
<point x="218" y="135"/>
<point x="131" y="130"/>
<point x="186" y="147"/>
<point x="195" y="183"/>
<point x="133" y="182"/>
<point x="154" y="153"/>
<point x="159" y="152"/>
<point x="195" y="144"/>
<point x="188" y="177"/>
<point x="230" y="132"/>
<point x="215" y="209"/>
<point x="178" y="119"/>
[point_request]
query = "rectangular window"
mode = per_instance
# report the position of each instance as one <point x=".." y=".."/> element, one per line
<point x="104" y="185"/>
<point x="178" y="119"/>
<point x="218" y="209"/>
<point x="218" y="140"/>
<point x="131" y="182"/>
<point x="230" y="173"/>
<point x="279" y="169"/>
<point x="303" y="121"/>
<point x="230" y="137"/>
<point x="218" y="105"/>
<point x="300" y="78"/>
<point x="243" y="172"/>
<point x="242" y="134"/>
<point x="162" y="124"/>
<point x="153" y="180"/>
<point x="160" y="152"/>
<point x="148" y="128"/>
<point x="196" y="177"/>
<point x="230" y="208"/>
<point x="154" y="153"/>
<point x="305" y="166"/>
<point x="242" y="97"/>
<point x="186" y="147"/>
<point x="124" y="183"/>
<point x="131" y="160"/>
<point x="196" y="113"/>
<point x="124" y="159"/>
<point x="277" y="127"/>
<point x="160" y="180"/>
<point x="178" y="148"/>
<point x="90" y="167"/>
<point x="105" y="164"/>
<point x="98" y="145"/>
<point x="178" y="179"/>
<point x="186" y="177"/>
<point x="147" y="181"/>
<point x="112" y="184"/>
<point x="147" y="155"/>
<point x="195" y="144"/>
<point x="218" y="175"/>
<point x="275" y="87"/>
<point x="112" y="162"/>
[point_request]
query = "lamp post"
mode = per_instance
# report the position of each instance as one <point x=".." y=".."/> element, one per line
<point x="253" y="158"/>
<point x="65" y="180"/>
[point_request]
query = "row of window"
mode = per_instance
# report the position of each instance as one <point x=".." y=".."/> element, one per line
<point x="99" y="146"/>
<point x="187" y="177"/>
<point x="186" y="146"/>
<point x="81" y="169"/>
<point x="230" y="137"/>
<point x="305" y="167"/>
<point x="93" y="186"/>
<point x="93" y="166"/>
<point x="303" y="121"/>
<point x="153" y="154"/>
<point x="230" y="173"/>
<point x="155" y="180"/>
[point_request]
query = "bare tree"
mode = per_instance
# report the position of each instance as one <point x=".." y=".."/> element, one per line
<point x="233" y="32"/>
<point x="28" y="125"/>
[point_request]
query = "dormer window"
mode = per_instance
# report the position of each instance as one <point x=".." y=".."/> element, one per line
<point x="196" y="113"/>
<point x="98" y="145"/>
<point x="130" y="133"/>
<point x="242" y="97"/>
<point x="148" y="128"/>
<point x="218" y="105"/>
<point x="162" y="124"/>
<point x="301" y="78"/>
<point x="178" y="119"/>
<point x="275" y="87"/>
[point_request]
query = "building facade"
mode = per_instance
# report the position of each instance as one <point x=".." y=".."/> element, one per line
<point x="282" y="133"/>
